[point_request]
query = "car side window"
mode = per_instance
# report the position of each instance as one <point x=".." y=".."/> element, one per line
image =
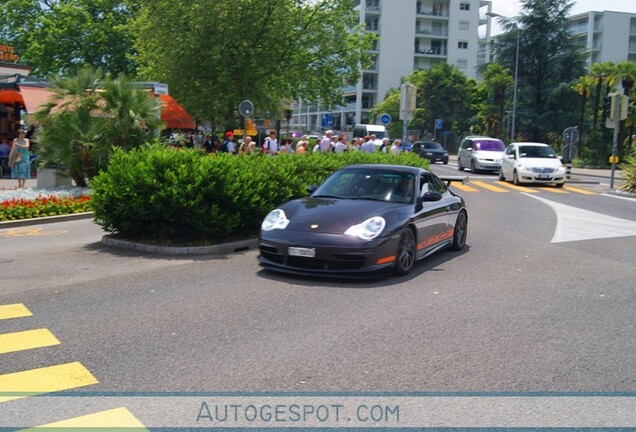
<point x="510" y="150"/>
<point x="431" y="184"/>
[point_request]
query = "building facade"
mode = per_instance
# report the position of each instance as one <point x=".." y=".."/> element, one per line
<point x="411" y="35"/>
<point x="607" y="36"/>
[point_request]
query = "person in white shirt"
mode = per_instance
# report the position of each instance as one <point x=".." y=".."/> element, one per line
<point x="270" y="146"/>
<point x="368" y="146"/>
<point x="341" y="144"/>
<point x="326" y="143"/>
<point x="395" y="146"/>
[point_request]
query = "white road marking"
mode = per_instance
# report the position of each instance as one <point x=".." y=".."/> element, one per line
<point x="575" y="224"/>
<point x="619" y="197"/>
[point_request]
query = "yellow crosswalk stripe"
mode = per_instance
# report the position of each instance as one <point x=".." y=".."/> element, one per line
<point x="24" y="340"/>
<point x="66" y="376"/>
<point x="17" y="310"/>
<point x="488" y="186"/>
<point x="554" y="190"/>
<point x="114" y="418"/>
<point x="517" y="188"/>
<point x="465" y="188"/>
<point x="578" y="190"/>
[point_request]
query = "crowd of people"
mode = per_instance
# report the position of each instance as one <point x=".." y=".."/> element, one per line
<point x="272" y="145"/>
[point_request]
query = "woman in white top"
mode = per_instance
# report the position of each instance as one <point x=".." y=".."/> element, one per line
<point x="395" y="146"/>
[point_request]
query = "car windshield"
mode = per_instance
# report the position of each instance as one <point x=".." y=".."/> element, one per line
<point x="489" y="145"/>
<point x="433" y="145"/>
<point x="536" y="152"/>
<point x="389" y="186"/>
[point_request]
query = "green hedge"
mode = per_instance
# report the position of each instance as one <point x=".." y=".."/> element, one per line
<point x="186" y="197"/>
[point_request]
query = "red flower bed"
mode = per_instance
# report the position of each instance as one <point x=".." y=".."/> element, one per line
<point x="20" y="208"/>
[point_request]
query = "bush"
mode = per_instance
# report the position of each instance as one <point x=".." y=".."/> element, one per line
<point x="629" y="174"/>
<point x="186" y="197"/>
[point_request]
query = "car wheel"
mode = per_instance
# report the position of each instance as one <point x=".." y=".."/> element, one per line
<point x="460" y="232"/>
<point x="405" y="253"/>
<point x="515" y="178"/>
<point x="445" y="161"/>
<point x="559" y="185"/>
<point x="501" y="175"/>
<point x="459" y="164"/>
<point x="472" y="167"/>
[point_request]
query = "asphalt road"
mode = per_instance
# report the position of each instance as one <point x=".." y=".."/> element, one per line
<point x="514" y="312"/>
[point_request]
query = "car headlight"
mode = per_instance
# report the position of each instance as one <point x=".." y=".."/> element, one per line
<point x="367" y="230"/>
<point x="521" y="167"/>
<point x="276" y="219"/>
<point x="561" y="169"/>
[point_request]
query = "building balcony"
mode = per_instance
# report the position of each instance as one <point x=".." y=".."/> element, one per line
<point x="373" y="10"/>
<point x="432" y="13"/>
<point x="431" y="33"/>
<point x="431" y="52"/>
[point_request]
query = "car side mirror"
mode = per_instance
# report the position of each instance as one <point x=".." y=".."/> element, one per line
<point x="311" y="189"/>
<point x="431" y="196"/>
<point x="469" y="149"/>
<point x="511" y="157"/>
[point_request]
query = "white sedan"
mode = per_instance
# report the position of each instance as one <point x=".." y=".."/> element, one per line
<point x="532" y="163"/>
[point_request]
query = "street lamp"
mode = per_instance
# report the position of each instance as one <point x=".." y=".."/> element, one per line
<point x="514" y="90"/>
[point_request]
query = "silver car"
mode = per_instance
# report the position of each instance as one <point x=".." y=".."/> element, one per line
<point x="480" y="153"/>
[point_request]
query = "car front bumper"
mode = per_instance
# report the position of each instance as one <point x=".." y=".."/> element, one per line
<point x="487" y="165"/>
<point x="336" y="255"/>
<point x="533" y="177"/>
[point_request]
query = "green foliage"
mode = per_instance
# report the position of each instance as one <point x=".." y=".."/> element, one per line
<point x="57" y="36"/>
<point x="215" y="53"/>
<point x="188" y="197"/>
<point x="548" y="58"/>
<point x="88" y="115"/>
<point x="629" y="174"/>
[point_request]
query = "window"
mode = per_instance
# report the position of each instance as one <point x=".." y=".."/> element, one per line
<point x="464" y="6"/>
<point x="462" y="45"/>
<point x="464" y="25"/>
<point x="462" y="64"/>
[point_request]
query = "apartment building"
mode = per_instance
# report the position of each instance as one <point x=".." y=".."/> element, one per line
<point x="607" y="36"/>
<point x="411" y="35"/>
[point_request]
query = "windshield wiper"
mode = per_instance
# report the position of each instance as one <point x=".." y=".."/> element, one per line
<point x="327" y="196"/>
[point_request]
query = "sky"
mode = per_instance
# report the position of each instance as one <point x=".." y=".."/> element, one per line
<point x="511" y="8"/>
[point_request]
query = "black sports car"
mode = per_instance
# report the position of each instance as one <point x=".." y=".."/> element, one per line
<point x="431" y="150"/>
<point x="365" y="219"/>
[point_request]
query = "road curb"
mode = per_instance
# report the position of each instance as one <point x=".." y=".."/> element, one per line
<point x="44" y="220"/>
<point x="218" y="249"/>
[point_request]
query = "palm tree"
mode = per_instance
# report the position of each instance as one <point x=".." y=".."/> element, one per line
<point x="87" y="116"/>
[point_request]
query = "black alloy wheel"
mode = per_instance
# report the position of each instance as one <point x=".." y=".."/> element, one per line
<point x="501" y="175"/>
<point x="460" y="233"/>
<point x="405" y="253"/>
<point x="515" y="178"/>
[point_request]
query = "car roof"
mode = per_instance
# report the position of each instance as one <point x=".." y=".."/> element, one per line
<point x="384" y="167"/>
<point x="531" y="144"/>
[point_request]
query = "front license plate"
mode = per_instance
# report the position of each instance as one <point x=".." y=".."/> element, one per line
<point x="302" y="252"/>
<point x="543" y="176"/>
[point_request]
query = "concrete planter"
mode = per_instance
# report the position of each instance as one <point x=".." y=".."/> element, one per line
<point x="50" y="177"/>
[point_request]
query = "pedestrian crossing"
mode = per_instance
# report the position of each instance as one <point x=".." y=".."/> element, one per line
<point x="54" y="378"/>
<point x="476" y="186"/>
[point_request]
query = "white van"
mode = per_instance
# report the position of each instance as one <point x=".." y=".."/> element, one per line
<point x="379" y="131"/>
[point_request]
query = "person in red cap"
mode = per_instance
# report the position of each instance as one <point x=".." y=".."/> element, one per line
<point x="228" y="145"/>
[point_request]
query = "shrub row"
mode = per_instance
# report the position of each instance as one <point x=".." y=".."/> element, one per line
<point x="183" y="196"/>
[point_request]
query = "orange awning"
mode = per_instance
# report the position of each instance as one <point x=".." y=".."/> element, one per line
<point x="174" y="115"/>
<point x="30" y="98"/>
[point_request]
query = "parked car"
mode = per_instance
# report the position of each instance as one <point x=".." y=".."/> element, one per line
<point x="532" y="163"/>
<point x="480" y="153"/>
<point x="364" y="220"/>
<point x="431" y="150"/>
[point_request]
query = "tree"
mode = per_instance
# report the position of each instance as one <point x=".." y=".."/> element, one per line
<point x="87" y="116"/>
<point x="495" y="83"/>
<point x="57" y="36"/>
<point x="215" y="53"/>
<point x="548" y="57"/>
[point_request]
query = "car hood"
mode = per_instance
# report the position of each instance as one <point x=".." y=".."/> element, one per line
<point x="488" y="154"/>
<point x="335" y="216"/>
<point x="539" y="162"/>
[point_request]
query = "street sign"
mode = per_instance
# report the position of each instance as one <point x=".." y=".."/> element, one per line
<point x="570" y="149"/>
<point x="246" y="108"/>
<point x="385" y="119"/>
<point x="439" y="123"/>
